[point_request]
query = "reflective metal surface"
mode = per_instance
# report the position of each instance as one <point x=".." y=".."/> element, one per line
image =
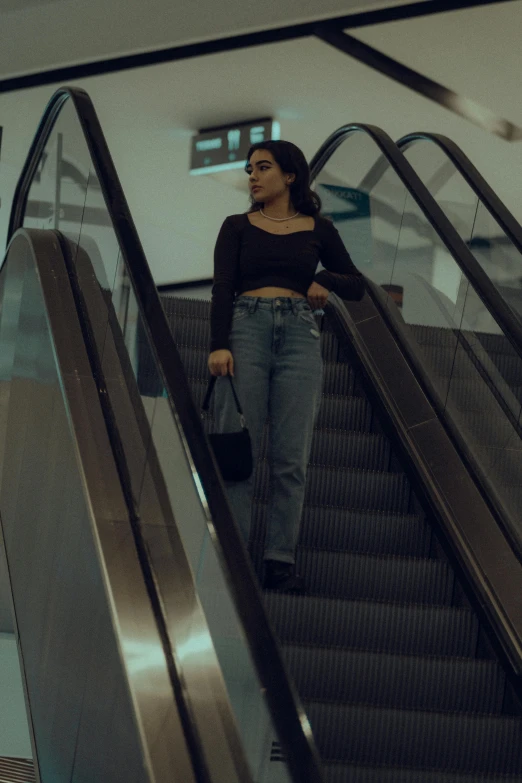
<point x="98" y="685"/>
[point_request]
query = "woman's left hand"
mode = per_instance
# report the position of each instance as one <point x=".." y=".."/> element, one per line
<point x="317" y="296"/>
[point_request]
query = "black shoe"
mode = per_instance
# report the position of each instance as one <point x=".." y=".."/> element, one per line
<point x="281" y="576"/>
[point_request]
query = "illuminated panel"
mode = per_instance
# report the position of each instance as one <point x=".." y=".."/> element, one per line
<point x="225" y="148"/>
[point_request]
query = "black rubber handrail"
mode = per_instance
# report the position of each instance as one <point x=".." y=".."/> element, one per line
<point x="392" y="157"/>
<point x="286" y="711"/>
<point x="495" y="206"/>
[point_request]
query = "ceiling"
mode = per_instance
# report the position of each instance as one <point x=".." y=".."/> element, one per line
<point x="7" y="6"/>
<point x="39" y="35"/>
<point x="475" y="52"/>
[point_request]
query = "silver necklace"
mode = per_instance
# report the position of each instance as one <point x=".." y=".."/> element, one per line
<point x="279" y="219"/>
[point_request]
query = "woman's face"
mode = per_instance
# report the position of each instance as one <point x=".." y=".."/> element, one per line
<point x="265" y="177"/>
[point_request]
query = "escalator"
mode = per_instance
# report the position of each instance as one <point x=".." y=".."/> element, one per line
<point x="130" y="585"/>
<point x="396" y="673"/>
<point x="407" y="652"/>
<point x="371" y="648"/>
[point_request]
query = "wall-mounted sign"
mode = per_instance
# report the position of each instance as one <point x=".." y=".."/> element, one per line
<point x="357" y="201"/>
<point x="220" y="149"/>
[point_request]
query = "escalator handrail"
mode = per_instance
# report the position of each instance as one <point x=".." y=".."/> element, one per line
<point x="288" y="716"/>
<point x="498" y="308"/>
<point x="475" y="180"/>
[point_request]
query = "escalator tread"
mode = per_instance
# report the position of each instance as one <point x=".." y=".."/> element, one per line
<point x="407" y="681"/>
<point x="383" y="650"/>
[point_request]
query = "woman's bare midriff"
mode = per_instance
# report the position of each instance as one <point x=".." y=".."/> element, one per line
<point x="270" y="292"/>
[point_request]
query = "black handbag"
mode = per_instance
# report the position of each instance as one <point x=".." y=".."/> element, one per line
<point x="232" y="450"/>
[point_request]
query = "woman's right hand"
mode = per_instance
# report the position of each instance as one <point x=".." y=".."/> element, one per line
<point x="221" y="363"/>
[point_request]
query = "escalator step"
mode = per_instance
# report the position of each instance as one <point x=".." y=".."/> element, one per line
<point x="503" y="465"/>
<point x="342" y="449"/>
<point x="364" y="625"/>
<point x="430" y="335"/>
<point x="340" y="773"/>
<point x="486" y="429"/>
<point x="345" y="413"/>
<point x="472" y="394"/>
<point x="195" y="333"/>
<point x="352" y="488"/>
<point x="182" y="312"/>
<point x="337" y="378"/>
<point x="448" y="361"/>
<point x="414" y="738"/>
<point x="512" y="497"/>
<point x="366" y="532"/>
<point x="509" y="367"/>
<point x="443" y="343"/>
<point x="374" y="578"/>
<point x="191" y="332"/>
<point x="181" y="307"/>
<point x="340" y="379"/>
<point x="330" y="350"/>
<point x="336" y="412"/>
<point x="495" y="343"/>
<point x="402" y="681"/>
<point x="458" y="363"/>
<point x="350" y="449"/>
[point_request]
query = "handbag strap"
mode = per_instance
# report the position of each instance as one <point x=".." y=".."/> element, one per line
<point x="208" y="395"/>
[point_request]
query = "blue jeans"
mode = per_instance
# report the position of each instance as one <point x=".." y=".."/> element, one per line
<point x="278" y="371"/>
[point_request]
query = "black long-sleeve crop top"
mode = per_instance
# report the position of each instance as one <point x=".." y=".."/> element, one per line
<point x="247" y="257"/>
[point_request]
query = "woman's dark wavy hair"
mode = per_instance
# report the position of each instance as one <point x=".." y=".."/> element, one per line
<point x="292" y="161"/>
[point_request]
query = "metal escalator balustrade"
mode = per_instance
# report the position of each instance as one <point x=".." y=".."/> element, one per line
<point x="178" y="500"/>
<point x="389" y="658"/>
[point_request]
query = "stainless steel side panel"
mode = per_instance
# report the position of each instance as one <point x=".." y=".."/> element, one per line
<point x="98" y="688"/>
<point x="152" y="480"/>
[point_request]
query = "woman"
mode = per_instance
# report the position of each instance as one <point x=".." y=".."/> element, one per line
<point x="263" y="333"/>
